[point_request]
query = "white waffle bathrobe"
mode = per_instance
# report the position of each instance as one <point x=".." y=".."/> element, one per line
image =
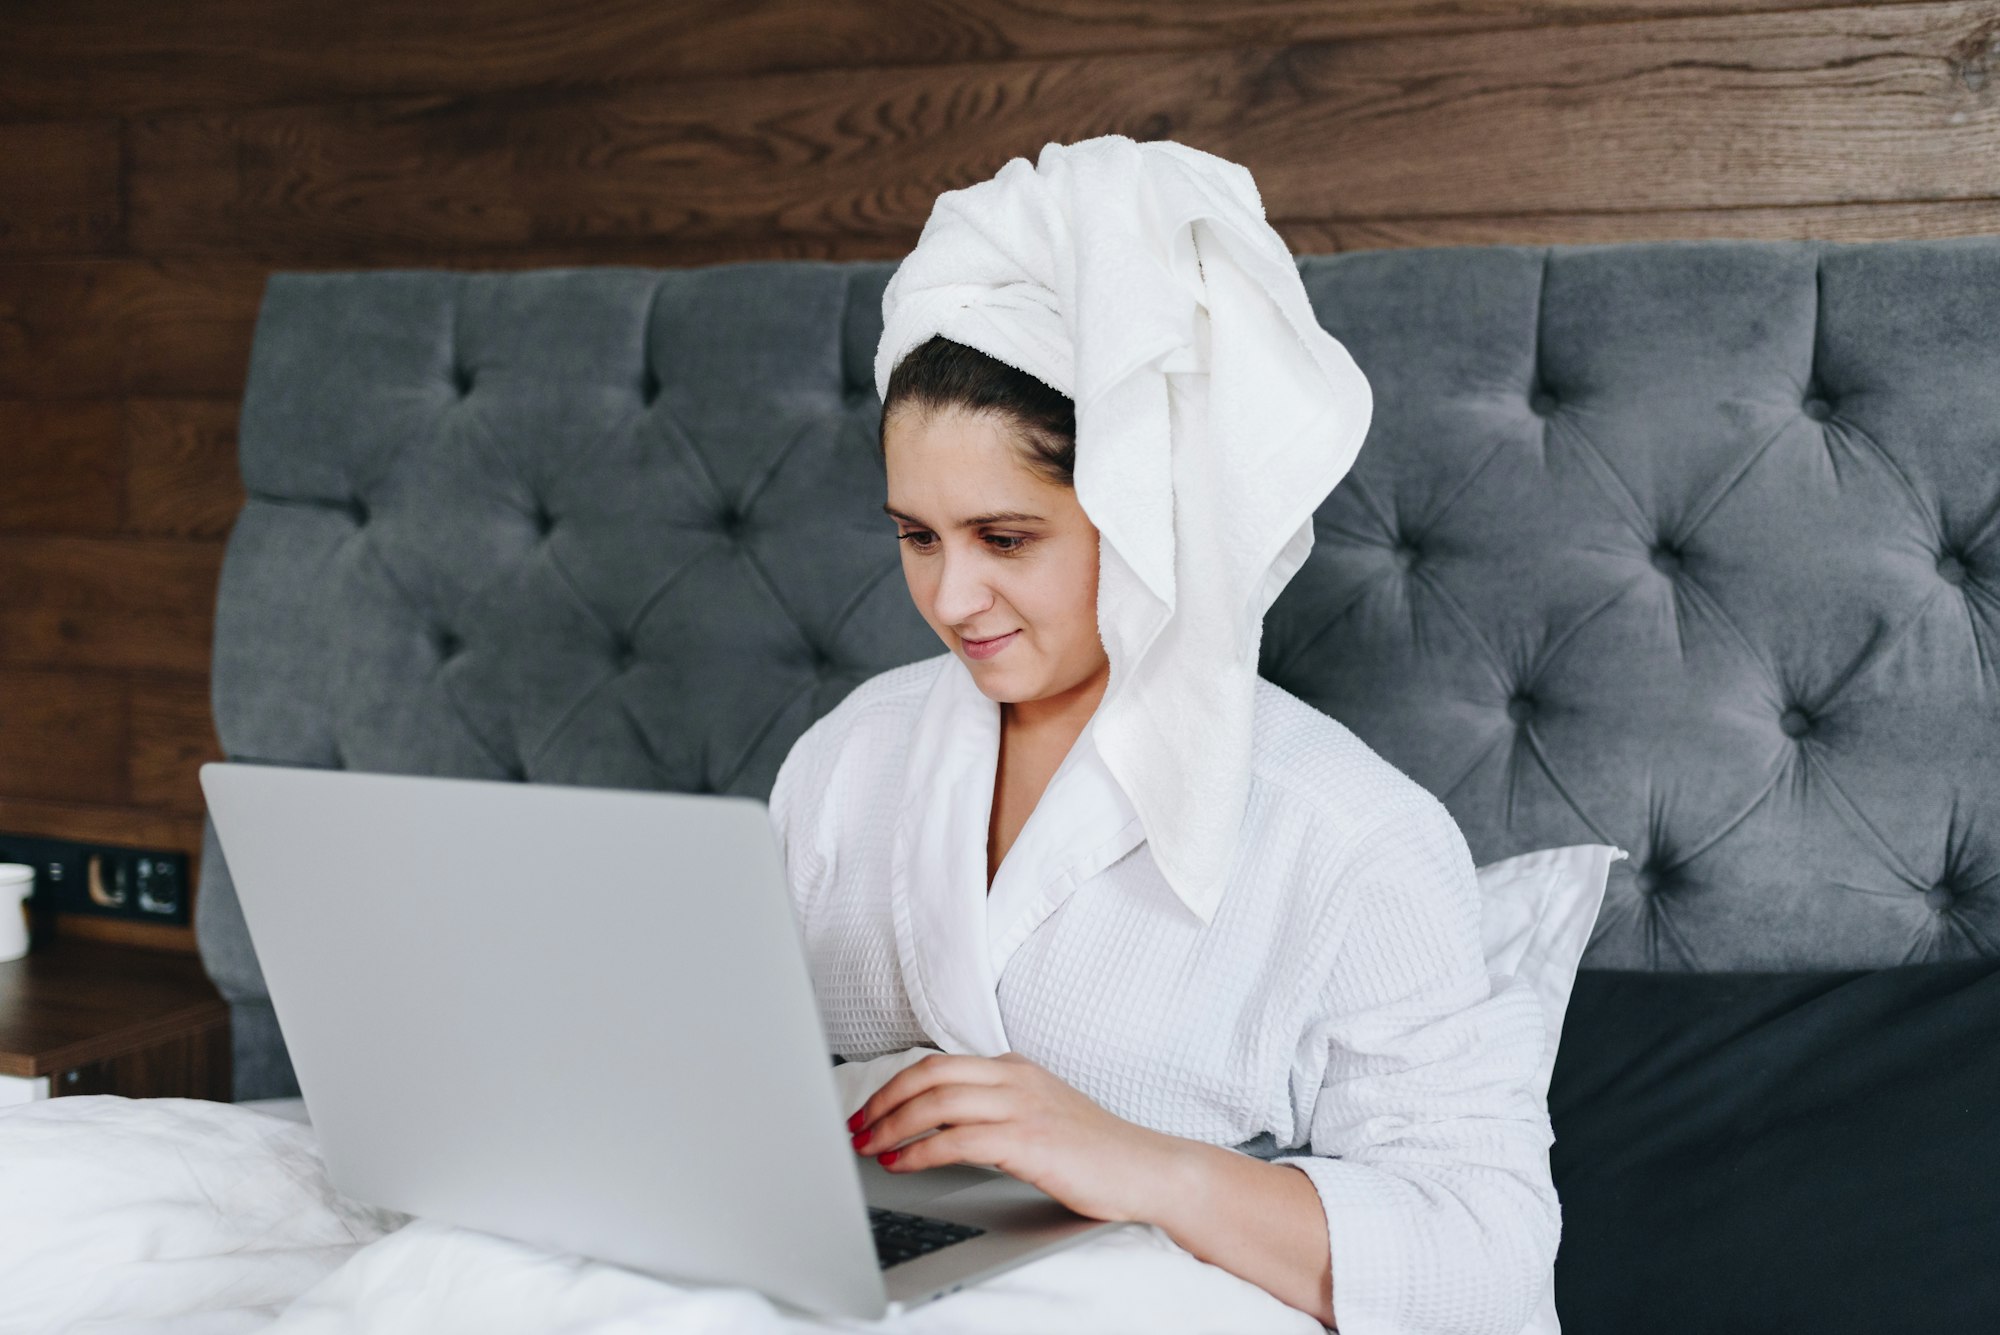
<point x="1338" y="1002"/>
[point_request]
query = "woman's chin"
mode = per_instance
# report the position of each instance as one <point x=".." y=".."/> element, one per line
<point x="1002" y="683"/>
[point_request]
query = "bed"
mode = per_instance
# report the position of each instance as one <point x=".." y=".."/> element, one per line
<point x="1691" y="548"/>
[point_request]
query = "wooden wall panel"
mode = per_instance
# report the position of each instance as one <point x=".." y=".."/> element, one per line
<point x="1849" y="105"/>
<point x="1805" y="222"/>
<point x="113" y="57"/>
<point x="65" y="465"/>
<point x="60" y="181"/>
<point x="143" y="603"/>
<point x="110" y="738"/>
<point x="153" y="173"/>
<point x="62" y="736"/>
<point x="692" y="161"/>
<point x="141" y="827"/>
<point x="172" y="734"/>
<point x="101" y="328"/>
<point x="181" y="479"/>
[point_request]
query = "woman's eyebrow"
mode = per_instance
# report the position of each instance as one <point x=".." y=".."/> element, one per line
<point x="997" y="517"/>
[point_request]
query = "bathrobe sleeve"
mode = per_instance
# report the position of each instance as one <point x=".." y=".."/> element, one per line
<point x="798" y="810"/>
<point x="1429" y="1141"/>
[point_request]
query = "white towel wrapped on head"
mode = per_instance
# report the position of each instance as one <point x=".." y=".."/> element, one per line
<point x="1213" y="416"/>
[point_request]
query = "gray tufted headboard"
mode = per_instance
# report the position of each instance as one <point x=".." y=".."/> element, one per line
<point x="1691" y="547"/>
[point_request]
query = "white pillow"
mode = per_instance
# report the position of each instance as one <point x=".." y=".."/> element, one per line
<point x="1535" y="915"/>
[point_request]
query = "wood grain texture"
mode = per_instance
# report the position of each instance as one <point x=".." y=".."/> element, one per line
<point x="181" y="479"/>
<point x="132" y="826"/>
<point x="63" y="735"/>
<point x="65" y="466"/>
<point x="120" y="602"/>
<point x="1757" y="110"/>
<point x="109" y="328"/>
<point x="69" y="1003"/>
<point x="197" y="1064"/>
<point x="59" y="187"/>
<point x="102" y="57"/>
<point x="1809" y="222"/>
<point x="172" y="734"/>
<point x="162" y="467"/>
<point x="130" y="932"/>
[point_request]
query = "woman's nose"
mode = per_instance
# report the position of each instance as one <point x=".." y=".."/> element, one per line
<point x="962" y="591"/>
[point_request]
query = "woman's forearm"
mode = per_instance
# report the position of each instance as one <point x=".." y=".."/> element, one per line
<point x="1260" y="1221"/>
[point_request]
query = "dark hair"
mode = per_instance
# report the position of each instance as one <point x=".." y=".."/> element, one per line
<point x="939" y="374"/>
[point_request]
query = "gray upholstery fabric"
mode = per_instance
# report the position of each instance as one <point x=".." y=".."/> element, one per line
<point x="1693" y="547"/>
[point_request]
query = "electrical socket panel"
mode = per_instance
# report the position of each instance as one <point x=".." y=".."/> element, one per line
<point x="103" y="880"/>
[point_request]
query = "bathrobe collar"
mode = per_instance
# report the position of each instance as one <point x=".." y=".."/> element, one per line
<point x="953" y="938"/>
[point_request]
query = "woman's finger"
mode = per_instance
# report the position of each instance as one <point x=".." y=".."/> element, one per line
<point x="979" y="1143"/>
<point x="941" y="1068"/>
<point x="943" y="1105"/>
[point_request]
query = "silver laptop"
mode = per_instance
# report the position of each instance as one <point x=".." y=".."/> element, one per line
<point x="581" y="1017"/>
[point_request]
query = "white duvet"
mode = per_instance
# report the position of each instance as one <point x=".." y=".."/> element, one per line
<point x="180" y="1216"/>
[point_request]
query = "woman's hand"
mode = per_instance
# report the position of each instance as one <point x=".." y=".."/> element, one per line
<point x="1011" y="1114"/>
<point x="1260" y="1221"/>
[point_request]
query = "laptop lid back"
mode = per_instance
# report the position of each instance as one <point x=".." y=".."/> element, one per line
<point x="580" y="1017"/>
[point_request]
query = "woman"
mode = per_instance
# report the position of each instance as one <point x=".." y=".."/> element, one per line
<point x="971" y="875"/>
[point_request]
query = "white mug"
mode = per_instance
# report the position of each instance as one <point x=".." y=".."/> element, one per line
<point x="17" y="882"/>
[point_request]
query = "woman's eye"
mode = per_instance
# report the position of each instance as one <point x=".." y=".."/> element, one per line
<point x="1006" y="544"/>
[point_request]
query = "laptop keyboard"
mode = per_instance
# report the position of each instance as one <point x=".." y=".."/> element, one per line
<point x="903" y="1237"/>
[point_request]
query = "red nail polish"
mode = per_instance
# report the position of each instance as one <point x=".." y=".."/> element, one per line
<point x="860" y="1139"/>
<point x="854" y="1122"/>
<point x="886" y="1159"/>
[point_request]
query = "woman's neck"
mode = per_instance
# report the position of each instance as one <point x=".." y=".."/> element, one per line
<point x="1035" y="736"/>
<point x="1061" y="716"/>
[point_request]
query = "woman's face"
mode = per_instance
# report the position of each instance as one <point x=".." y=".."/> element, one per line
<point x="1001" y="561"/>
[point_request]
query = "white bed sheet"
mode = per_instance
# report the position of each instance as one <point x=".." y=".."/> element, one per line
<point x="192" y="1218"/>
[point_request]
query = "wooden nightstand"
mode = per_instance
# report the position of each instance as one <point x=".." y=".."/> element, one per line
<point x="86" y="1017"/>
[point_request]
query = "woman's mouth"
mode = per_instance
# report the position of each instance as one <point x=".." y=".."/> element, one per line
<point x="988" y="648"/>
